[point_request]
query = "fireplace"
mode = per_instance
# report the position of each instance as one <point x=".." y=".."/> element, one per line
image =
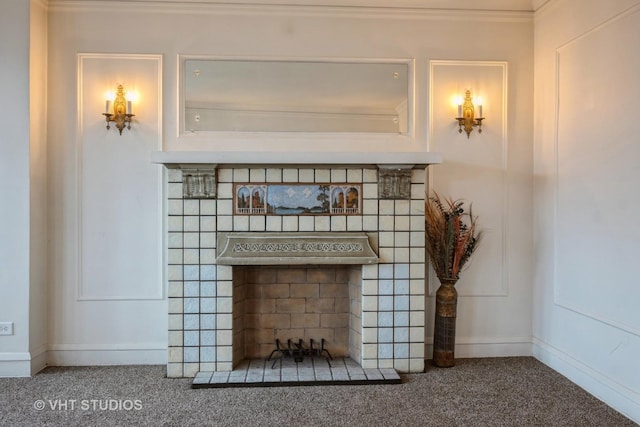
<point x="245" y="269"/>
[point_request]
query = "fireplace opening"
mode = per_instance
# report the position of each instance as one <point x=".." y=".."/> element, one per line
<point x="294" y="306"/>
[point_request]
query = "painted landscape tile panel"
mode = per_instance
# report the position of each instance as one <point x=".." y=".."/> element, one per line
<point x="298" y="199"/>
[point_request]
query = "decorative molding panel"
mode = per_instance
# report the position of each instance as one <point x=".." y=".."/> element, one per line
<point x="474" y="169"/>
<point x="113" y="224"/>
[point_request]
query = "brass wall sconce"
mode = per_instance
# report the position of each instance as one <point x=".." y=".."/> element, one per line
<point x="466" y="115"/>
<point x="121" y="114"/>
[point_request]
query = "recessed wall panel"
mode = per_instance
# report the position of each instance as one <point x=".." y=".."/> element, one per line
<point x="597" y="229"/>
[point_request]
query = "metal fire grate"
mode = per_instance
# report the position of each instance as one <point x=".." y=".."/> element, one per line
<point x="298" y="351"/>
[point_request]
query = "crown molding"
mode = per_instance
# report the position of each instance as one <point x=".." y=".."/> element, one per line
<point x="490" y="10"/>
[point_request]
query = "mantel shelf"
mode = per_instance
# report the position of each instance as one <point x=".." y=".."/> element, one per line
<point x="179" y="159"/>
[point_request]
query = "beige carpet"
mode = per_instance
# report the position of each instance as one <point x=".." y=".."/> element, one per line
<point x="476" y="392"/>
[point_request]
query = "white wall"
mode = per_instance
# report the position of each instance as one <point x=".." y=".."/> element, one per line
<point x="15" y="188"/>
<point x="23" y="219"/>
<point x="586" y="317"/>
<point x="226" y="30"/>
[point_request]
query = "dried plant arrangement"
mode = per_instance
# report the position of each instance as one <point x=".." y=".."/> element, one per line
<point x="451" y="235"/>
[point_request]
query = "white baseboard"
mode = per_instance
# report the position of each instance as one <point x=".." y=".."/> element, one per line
<point x="22" y="364"/>
<point x="488" y="347"/>
<point x="95" y="354"/>
<point x="610" y="392"/>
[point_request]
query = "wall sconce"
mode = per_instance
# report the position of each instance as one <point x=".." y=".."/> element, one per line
<point x="466" y="115"/>
<point x="121" y="111"/>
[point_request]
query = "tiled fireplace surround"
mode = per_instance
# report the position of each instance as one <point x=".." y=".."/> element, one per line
<point x="373" y="313"/>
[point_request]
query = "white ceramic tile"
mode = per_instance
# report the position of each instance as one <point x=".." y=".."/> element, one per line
<point x="208" y="207"/>
<point x="416" y="223"/>
<point x="401" y="239"/>
<point x="417" y="191"/>
<point x="385" y="255"/>
<point x="386" y="207"/>
<point x="417" y="364"/>
<point x="175" y="338"/>
<point x="385" y="351"/>
<point x="401" y="321"/>
<point x="225" y="207"/>
<point x="402" y="207"/>
<point x="191" y="289"/>
<point x="225" y="288"/>
<point x="416" y="350"/>
<point x="354" y="223"/>
<point x="191" y="256"/>
<point x="369" y="351"/>
<point x="401" y="286"/>
<point x="191" y="339"/>
<point x="174" y="223"/>
<point x="290" y="175"/>
<point x="208" y="320"/>
<point x="354" y="176"/>
<point x="323" y="175"/>
<point x="174" y="272"/>
<point x="417" y="239"/>
<point x="208" y="338"/>
<point x="174" y="240"/>
<point x="369" y="287"/>
<point x="386" y="239"/>
<point x="370" y="271"/>
<point x="175" y="306"/>
<point x="174" y="354"/>
<point x="290" y="223"/>
<point x="191" y="223"/>
<point x="224" y="366"/>
<point x="225" y="223"/>
<point x="385" y="286"/>
<point x="322" y="223"/>
<point x="174" y="190"/>
<point x="174" y="207"/>
<point x="207" y="305"/>
<point x="385" y="335"/>
<point x="257" y="223"/>
<point x="174" y="256"/>
<point x="224" y="304"/>
<point x="191" y="272"/>
<point x="370" y="175"/>
<point x="338" y="175"/>
<point x="306" y="175"/>
<point x="386" y="222"/>
<point x="416" y="271"/>
<point x="241" y="223"/>
<point x="369" y="303"/>
<point x="417" y="207"/>
<point x="208" y="223"/>
<point x="416" y="302"/>
<point x="369" y="319"/>
<point x="306" y="223"/>
<point x="207" y="354"/>
<point x="207" y="240"/>
<point x="174" y="290"/>
<point x="191" y="322"/>
<point x="224" y="175"/>
<point x="241" y="175"/>
<point x="385" y="364"/>
<point x="175" y="322"/>
<point x="370" y="363"/>
<point x="401" y="271"/>
<point x="191" y="240"/>
<point x="401" y="365"/>
<point x="224" y="337"/>
<point x="338" y="223"/>
<point x="417" y="255"/>
<point x="370" y="207"/>
<point x="225" y="190"/>
<point x="385" y="319"/>
<point x="257" y="175"/>
<point x="174" y="370"/>
<point x="191" y="369"/>
<point x="225" y="272"/>
<point x="208" y="289"/>
<point x="416" y="318"/>
<point x="369" y="335"/>
<point x="274" y="223"/>
<point x="401" y="302"/>
<point x="417" y="287"/>
<point x="191" y="207"/>
<point x="370" y="191"/>
<point x="402" y="223"/>
<point x="416" y="334"/>
<point x="274" y="175"/>
<point x="370" y="223"/>
<point x="174" y="175"/>
<point x="225" y="321"/>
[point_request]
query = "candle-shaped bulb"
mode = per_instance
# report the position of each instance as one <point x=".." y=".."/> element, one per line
<point x="479" y="103"/>
<point x="459" y="110"/>
<point x="129" y="107"/>
<point x="107" y="106"/>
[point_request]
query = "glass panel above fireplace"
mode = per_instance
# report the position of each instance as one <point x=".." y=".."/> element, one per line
<point x="243" y="95"/>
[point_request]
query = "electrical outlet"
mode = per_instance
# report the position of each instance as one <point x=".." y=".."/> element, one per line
<point x="6" y="328"/>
